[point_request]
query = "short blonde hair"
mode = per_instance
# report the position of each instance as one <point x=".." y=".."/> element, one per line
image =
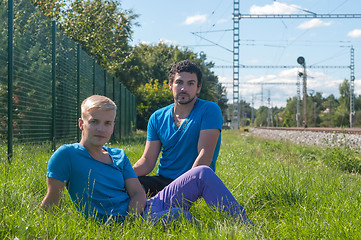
<point x="99" y="102"/>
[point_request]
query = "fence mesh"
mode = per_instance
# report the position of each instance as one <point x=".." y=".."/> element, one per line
<point x="3" y="70"/>
<point x="47" y="88"/>
<point x="31" y="70"/>
<point x="66" y="112"/>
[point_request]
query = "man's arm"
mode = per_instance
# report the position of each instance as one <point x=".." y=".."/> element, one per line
<point x="206" y="145"/>
<point x="137" y="196"/>
<point x="150" y="155"/>
<point x="54" y="193"/>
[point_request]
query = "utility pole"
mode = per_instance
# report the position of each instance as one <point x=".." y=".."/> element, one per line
<point x="298" y="114"/>
<point x="301" y="61"/>
<point x="269" y="109"/>
<point x="314" y="114"/>
<point x="252" y="111"/>
<point x="352" y="87"/>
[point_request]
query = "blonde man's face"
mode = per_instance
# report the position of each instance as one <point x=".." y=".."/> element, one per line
<point x="97" y="127"/>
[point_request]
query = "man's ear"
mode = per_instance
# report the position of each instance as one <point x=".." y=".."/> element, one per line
<point x="199" y="88"/>
<point x="80" y="122"/>
<point x="170" y="85"/>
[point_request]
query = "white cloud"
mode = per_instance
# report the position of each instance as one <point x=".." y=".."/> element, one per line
<point x="223" y="79"/>
<point x="144" y="42"/>
<point x="356" y="33"/>
<point x="289" y="73"/>
<point x="283" y="87"/>
<point x="223" y="20"/>
<point x="166" y="41"/>
<point x="275" y="8"/>
<point x="254" y="61"/>
<point x="196" y="19"/>
<point x="313" y="24"/>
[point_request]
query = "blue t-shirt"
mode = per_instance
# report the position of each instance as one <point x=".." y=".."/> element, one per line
<point x="94" y="187"/>
<point x="180" y="144"/>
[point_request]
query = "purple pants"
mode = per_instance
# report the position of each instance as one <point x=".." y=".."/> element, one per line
<point x="179" y="196"/>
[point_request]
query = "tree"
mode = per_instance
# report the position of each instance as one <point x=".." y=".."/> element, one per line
<point x="53" y="9"/>
<point x="289" y="114"/>
<point x="314" y="108"/>
<point x="327" y="115"/>
<point x="150" y="62"/>
<point x="343" y="110"/>
<point x="155" y="96"/>
<point x="246" y="113"/>
<point x="261" y="119"/>
<point x="102" y="29"/>
<point x="358" y="111"/>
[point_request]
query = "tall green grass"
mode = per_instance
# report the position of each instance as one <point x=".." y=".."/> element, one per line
<point x="289" y="191"/>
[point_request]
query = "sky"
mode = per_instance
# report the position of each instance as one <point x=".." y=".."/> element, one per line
<point x="205" y="26"/>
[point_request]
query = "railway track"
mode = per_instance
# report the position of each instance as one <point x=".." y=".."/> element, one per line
<point x="325" y="130"/>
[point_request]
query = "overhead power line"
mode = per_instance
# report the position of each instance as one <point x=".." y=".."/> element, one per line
<point x="237" y="16"/>
<point x="229" y="50"/>
<point x="294" y="16"/>
<point x="278" y="66"/>
<point x="211" y="31"/>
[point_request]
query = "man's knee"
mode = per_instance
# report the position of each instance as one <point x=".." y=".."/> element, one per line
<point x="203" y="171"/>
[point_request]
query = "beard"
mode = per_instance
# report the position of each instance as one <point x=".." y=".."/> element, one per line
<point x="180" y="100"/>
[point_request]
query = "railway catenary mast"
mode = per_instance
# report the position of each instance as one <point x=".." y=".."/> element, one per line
<point x="236" y="108"/>
<point x="236" y="18"/>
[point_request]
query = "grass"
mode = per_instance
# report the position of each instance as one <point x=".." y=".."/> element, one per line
<point x="289" y="191"/>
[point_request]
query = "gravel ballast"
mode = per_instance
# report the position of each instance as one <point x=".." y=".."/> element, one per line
<point x="311" y="138"/>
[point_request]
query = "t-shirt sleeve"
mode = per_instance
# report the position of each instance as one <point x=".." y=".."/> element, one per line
<point x="212" y="117"/>
<point x="59" y="165"/>
<point x="152" y="129"/>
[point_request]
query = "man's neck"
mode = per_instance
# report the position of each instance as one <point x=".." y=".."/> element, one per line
<point x="102" y="156"/>
<point x="97" y="152"/>
<point x="183" y="110"/>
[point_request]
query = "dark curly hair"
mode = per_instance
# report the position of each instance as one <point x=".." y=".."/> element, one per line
<point x="185" y="66"/>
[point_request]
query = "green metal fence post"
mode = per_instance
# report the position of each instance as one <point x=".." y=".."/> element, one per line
<point x="125" y="112"/>
<point x="121" y="110"/>
<point x="128" y="114"/>
<point x="113" y="98"/>
<point x="113" y="88"/>
<point x="105" y="82"/>
<point x="78" y="86"/>
<point x="135" y="113"/>
<point x="94" y="62"/>
<point x="53" y="76"/>
<point x="10" y="77"/>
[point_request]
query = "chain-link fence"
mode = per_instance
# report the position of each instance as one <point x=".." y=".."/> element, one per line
<point x="44" y="77"/>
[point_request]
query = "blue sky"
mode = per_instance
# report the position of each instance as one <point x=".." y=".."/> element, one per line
<point x="204" y="26"/>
